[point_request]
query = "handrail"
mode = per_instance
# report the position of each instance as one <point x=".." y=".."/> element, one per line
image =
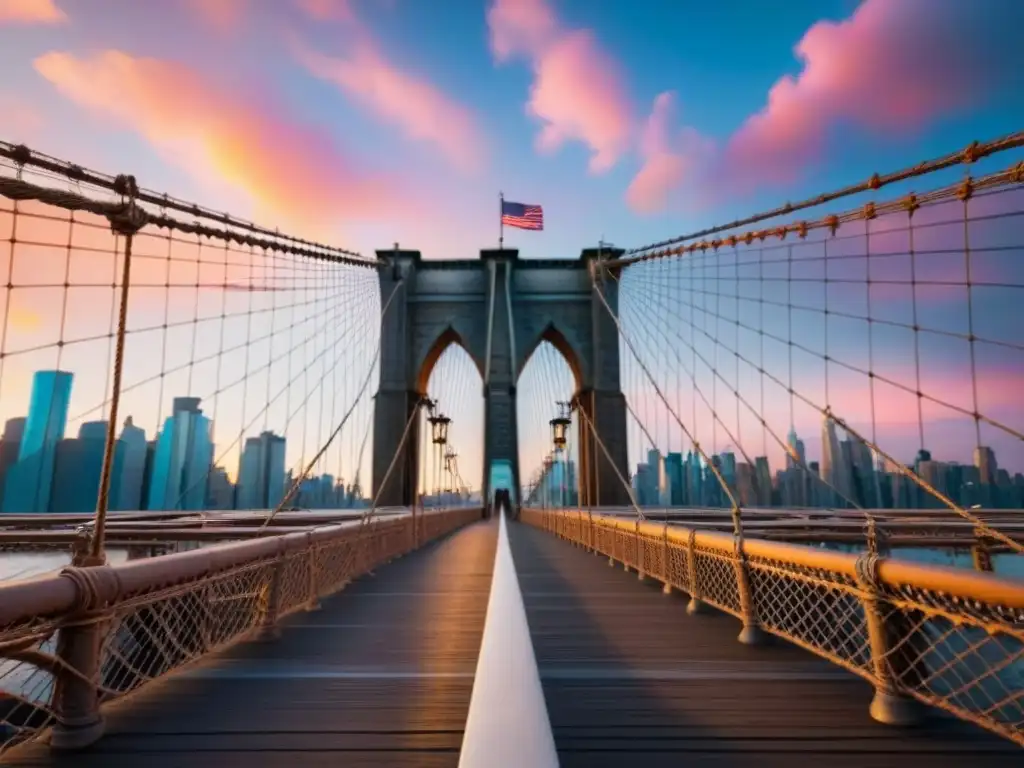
<point x="118" y="627"/>
<point x="950" y="638"/>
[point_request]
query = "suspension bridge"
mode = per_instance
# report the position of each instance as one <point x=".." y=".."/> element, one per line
<point x="745" y="496"/>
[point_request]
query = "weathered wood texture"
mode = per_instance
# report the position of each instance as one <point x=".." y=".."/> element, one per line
<point x="380" y="676"/>
<point x="631" y="680"/>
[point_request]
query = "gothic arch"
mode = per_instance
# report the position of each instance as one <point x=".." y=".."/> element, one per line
<point x="558" y="340"/>
<point x="446" y="338"/>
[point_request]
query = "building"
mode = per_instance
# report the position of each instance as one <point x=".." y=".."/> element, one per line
<point x="261" y="472"/>
<point x="126" y="493"/>
<point x="182" y="460"/>
<point x="78" y="467"/>
<point x="10" y="444"/>
<point x="29" y="481"/>
<point x="220" y="490"/>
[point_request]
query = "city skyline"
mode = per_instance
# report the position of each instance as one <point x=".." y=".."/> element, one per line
<point x="561" y="104"/>
<point x="42" y="470"/>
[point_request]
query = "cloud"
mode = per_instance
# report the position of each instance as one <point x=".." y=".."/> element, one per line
<point x="30" y="12"/>
<point x="417" y="107"/>
<point x="326" y="10"/>
<point x="287" y="168"/>
<point x="577" y="92"/>
<point x="670" y="156"/>
<point x="891" y="68"/>
<point x="20" y="119"/>
<point x="220" y="14"/>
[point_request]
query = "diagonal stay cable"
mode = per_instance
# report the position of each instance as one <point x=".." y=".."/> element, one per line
<point x="337" y="430"/>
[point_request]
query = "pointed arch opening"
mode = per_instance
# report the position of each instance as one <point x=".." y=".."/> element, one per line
<point x="550" y="376"/>
<point x="449" y="472"/>
<point x="445" y="339"/>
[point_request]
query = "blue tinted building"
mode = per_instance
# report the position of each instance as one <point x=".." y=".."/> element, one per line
<point x="78" y="466"/>
<point x="29" y="481"/>
<point x="261" y="472"/>
<point x="126" y="493"/>
<point x="182" y="459"/>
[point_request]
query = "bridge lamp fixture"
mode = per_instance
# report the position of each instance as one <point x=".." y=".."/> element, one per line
<point x="439" y="428"/>
<point x="560" y="426"/>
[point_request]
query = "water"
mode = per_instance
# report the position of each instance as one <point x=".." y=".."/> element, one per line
<point x="18" y="566"/>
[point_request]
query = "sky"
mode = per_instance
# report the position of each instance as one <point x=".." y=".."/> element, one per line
<point x="363" y="123"/>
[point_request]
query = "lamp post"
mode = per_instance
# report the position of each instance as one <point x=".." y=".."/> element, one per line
<point x="559" y="431"/>
<point x="439" y="436"/>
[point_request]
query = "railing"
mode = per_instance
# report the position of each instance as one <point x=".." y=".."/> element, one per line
<point x="948" y="638"/>
<point x="72" y="642"/>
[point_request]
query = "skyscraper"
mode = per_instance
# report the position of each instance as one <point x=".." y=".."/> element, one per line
<point x="181" y="463"/>
<point x="29" y="481"/>
<point x="10" y="444"/>
<point x="126" y="493"/>
<point x="261" y="472"/>
<point x="834" y="470"/>
<point x="78" y="466"/>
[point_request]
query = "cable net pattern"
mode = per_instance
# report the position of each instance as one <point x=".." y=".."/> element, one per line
<point x="239" y="352"/>
<point x="178" y="612"/>
<point x="938" y="641"/>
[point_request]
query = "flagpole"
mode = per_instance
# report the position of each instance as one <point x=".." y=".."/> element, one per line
<point x="501" y="221"/>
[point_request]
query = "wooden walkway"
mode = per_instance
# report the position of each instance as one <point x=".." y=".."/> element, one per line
<point x="631" y="680"/>
<point x="380" y="676"/>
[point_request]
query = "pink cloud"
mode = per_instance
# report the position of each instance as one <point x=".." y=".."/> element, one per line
<point x="577" y="92"/>
<point x="288" y="169"/>
<point x="416" y="106"/>
<point x="219" y="14"/>
<point x="521" y="27"/>
<point x="891" y="67"/>
<point x="30" y="12"/>
<point x="326" y="10"/>
<point x="670" y="156"/>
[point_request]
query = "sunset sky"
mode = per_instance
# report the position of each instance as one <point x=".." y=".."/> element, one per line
<point x="368" y="122"/>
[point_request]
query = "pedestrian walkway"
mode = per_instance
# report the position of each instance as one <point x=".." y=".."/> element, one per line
<point x="381" y="675"/>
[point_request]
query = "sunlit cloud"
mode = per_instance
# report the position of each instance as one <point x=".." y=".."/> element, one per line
<point x="890" y="69"/>
<point x="577" y="92"/>
<point x="220" y="14"/>
<point x="421" y="110"/>
<point x="669" y="155"/>
<point x="291" y="171"/>
<point x="31" y="12"/>
<point x="326" y="10"/>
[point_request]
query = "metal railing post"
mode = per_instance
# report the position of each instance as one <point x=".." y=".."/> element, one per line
<point x="751" y="633"/>
<point x="78" y="673"/>
<point x="270" y="630"/>
<point x="888" y="706"/>
<point x="665" y="561"/>
<point x="313" y="576"/>
<point x="696" y="605"/>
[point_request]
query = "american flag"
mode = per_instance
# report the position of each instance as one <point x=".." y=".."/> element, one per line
<point x="522" y="216"/>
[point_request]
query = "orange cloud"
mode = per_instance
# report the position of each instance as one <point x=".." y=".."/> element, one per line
<point x="416" y="106"/>
<point x="891" y="68"/>
<point x="30" y="12"/>
<point x="669" y="155"/>
<point x="577" y="92"/>
<point x="289" y="169"/>
<point x="220" y="14"/>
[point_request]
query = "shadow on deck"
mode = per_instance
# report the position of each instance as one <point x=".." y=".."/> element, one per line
<point x="631" y="680"/>
<point x="380" y="676"/>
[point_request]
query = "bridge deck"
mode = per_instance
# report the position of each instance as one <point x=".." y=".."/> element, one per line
<point x="380" y="676"/>
<point x="631" y="679"/>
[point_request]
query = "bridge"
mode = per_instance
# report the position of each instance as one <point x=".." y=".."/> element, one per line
<point x="746" y="496"/>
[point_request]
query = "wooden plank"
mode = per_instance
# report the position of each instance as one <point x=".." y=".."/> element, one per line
<point x="631" y="679"/>
<point x="380" y="676"/>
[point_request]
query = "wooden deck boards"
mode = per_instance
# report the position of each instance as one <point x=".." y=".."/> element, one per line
<point x="380" y="676"/>
<point x="631" y="680"/>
